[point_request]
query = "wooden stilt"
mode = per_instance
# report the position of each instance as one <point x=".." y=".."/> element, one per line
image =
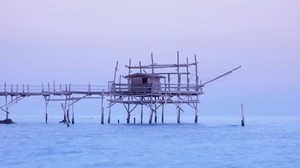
<point x="142" y="111"/>
<point x="46" y="109"/>
<point x="162" y="113"/>
<point x="128" y="111"/>
<point x="73" y="119"/>
<point x="197" y="89"/>
<point x="102" y="108"/>
<point x="151" y="115"/>
<point x="151" y="110"/>
<point x="196" y="109"/>
<point x="243" y="119"/>
<point x="66" y="119"/>
<point x="109" y="113"/>
<point x="6" y="105"/>
<point x="178" y="115"/>
<point x="155" y="112"/>
<point x="178" y="88"/>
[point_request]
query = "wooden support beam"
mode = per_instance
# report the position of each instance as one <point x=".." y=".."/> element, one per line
<point x="155" y="111"/>
<point x="242" y="112"/>
<point x="151" y="110"/>
<point x="46" y="108"/>
<point x="102" y="108"/>
<point x="73" y="118"/>
<point x="162" y="113"/>
<point x="142" y="110"/>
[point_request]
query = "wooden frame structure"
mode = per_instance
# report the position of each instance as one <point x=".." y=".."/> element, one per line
<point x="173" y="90"/>
<point x="177" y="88"/>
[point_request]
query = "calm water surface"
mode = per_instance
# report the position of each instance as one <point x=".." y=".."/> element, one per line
<point x="213" y="143"/>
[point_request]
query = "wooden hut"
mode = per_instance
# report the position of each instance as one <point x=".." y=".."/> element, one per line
<point x="144" y="83"/>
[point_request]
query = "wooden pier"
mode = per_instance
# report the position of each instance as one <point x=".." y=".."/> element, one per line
<point x="152" y="86"/>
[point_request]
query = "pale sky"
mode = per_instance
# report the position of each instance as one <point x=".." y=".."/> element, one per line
<point x="80" y="42"/>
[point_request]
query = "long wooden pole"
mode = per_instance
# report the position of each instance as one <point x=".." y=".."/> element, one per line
<point x="178" y="89"/>
<point x="102" y="108"/>
<point x="197" y="89"/>
<point x="6" y="105"/>
<point x="73" y="117"/>
<point x="46" y="106"/>
<point x="242" y="111"/>
<point x="142" y="109"/>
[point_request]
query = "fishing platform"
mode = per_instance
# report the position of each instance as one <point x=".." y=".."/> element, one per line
<point x="151" y="86"/>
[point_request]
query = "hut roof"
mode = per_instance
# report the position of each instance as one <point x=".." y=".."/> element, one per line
<point x="148" y="75"/>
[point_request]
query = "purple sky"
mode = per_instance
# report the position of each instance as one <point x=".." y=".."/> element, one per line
<point x="80" y="41"/>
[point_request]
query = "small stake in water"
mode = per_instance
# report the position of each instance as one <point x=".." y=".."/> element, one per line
<point x="243" y="119"/>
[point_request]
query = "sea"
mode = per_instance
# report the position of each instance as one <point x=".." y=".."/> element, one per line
<point x="216" y="141"/>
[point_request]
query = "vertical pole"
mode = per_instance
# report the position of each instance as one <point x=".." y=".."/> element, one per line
<point x="196" y="109"/>
<point x="6" y="105"/>
<point x="178" y="89"/>
<point x="178" y="74"/>
<point x="68" y="104"/>
<point x="140" y="64"/>
<point x="162" y="111"/>
<point x="46" y="106"/>
<point x="196" y="72"/>
<point x="151" y="97"/>
<point x="178" y="111"/>
<point x="128" y="111"/>
<point x="242" y="111"/>
<point x="155" y="112"/>
<point x="109" y="111"/>
<point x="169" y="82"/>
<point x="152" y="64"/>
<point x="129" y="96"/>
<point x="142" y="109"/>
<point x="197" y="89"/>
<point x="113" y="89"/>
<point x="73" y="119"/>
<point x="151" y="110"/>
<point x="187" y="75"/>
<point x="102" y="108"/>
<point x="54" y="85"/>
<point x="11" y="90"/>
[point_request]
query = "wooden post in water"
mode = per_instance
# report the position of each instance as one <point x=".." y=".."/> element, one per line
<point x="6" y="105"/>
<point x="113" y="89"/>
<point x="178" y="89"/>
<point x="128" y="110"/>
<point x="102" y="108"/>
<point x="162" y="111"/>
<point x="197" y="89"/>
<point x="46" y="108"/>
<point x="66" y="119"/>
<point x="151" y="110"/>
<point x="242" y="111"/>
<point x="155" y="112"/>
<point x="73" y="119"/>
<point x="142" y="110"/>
